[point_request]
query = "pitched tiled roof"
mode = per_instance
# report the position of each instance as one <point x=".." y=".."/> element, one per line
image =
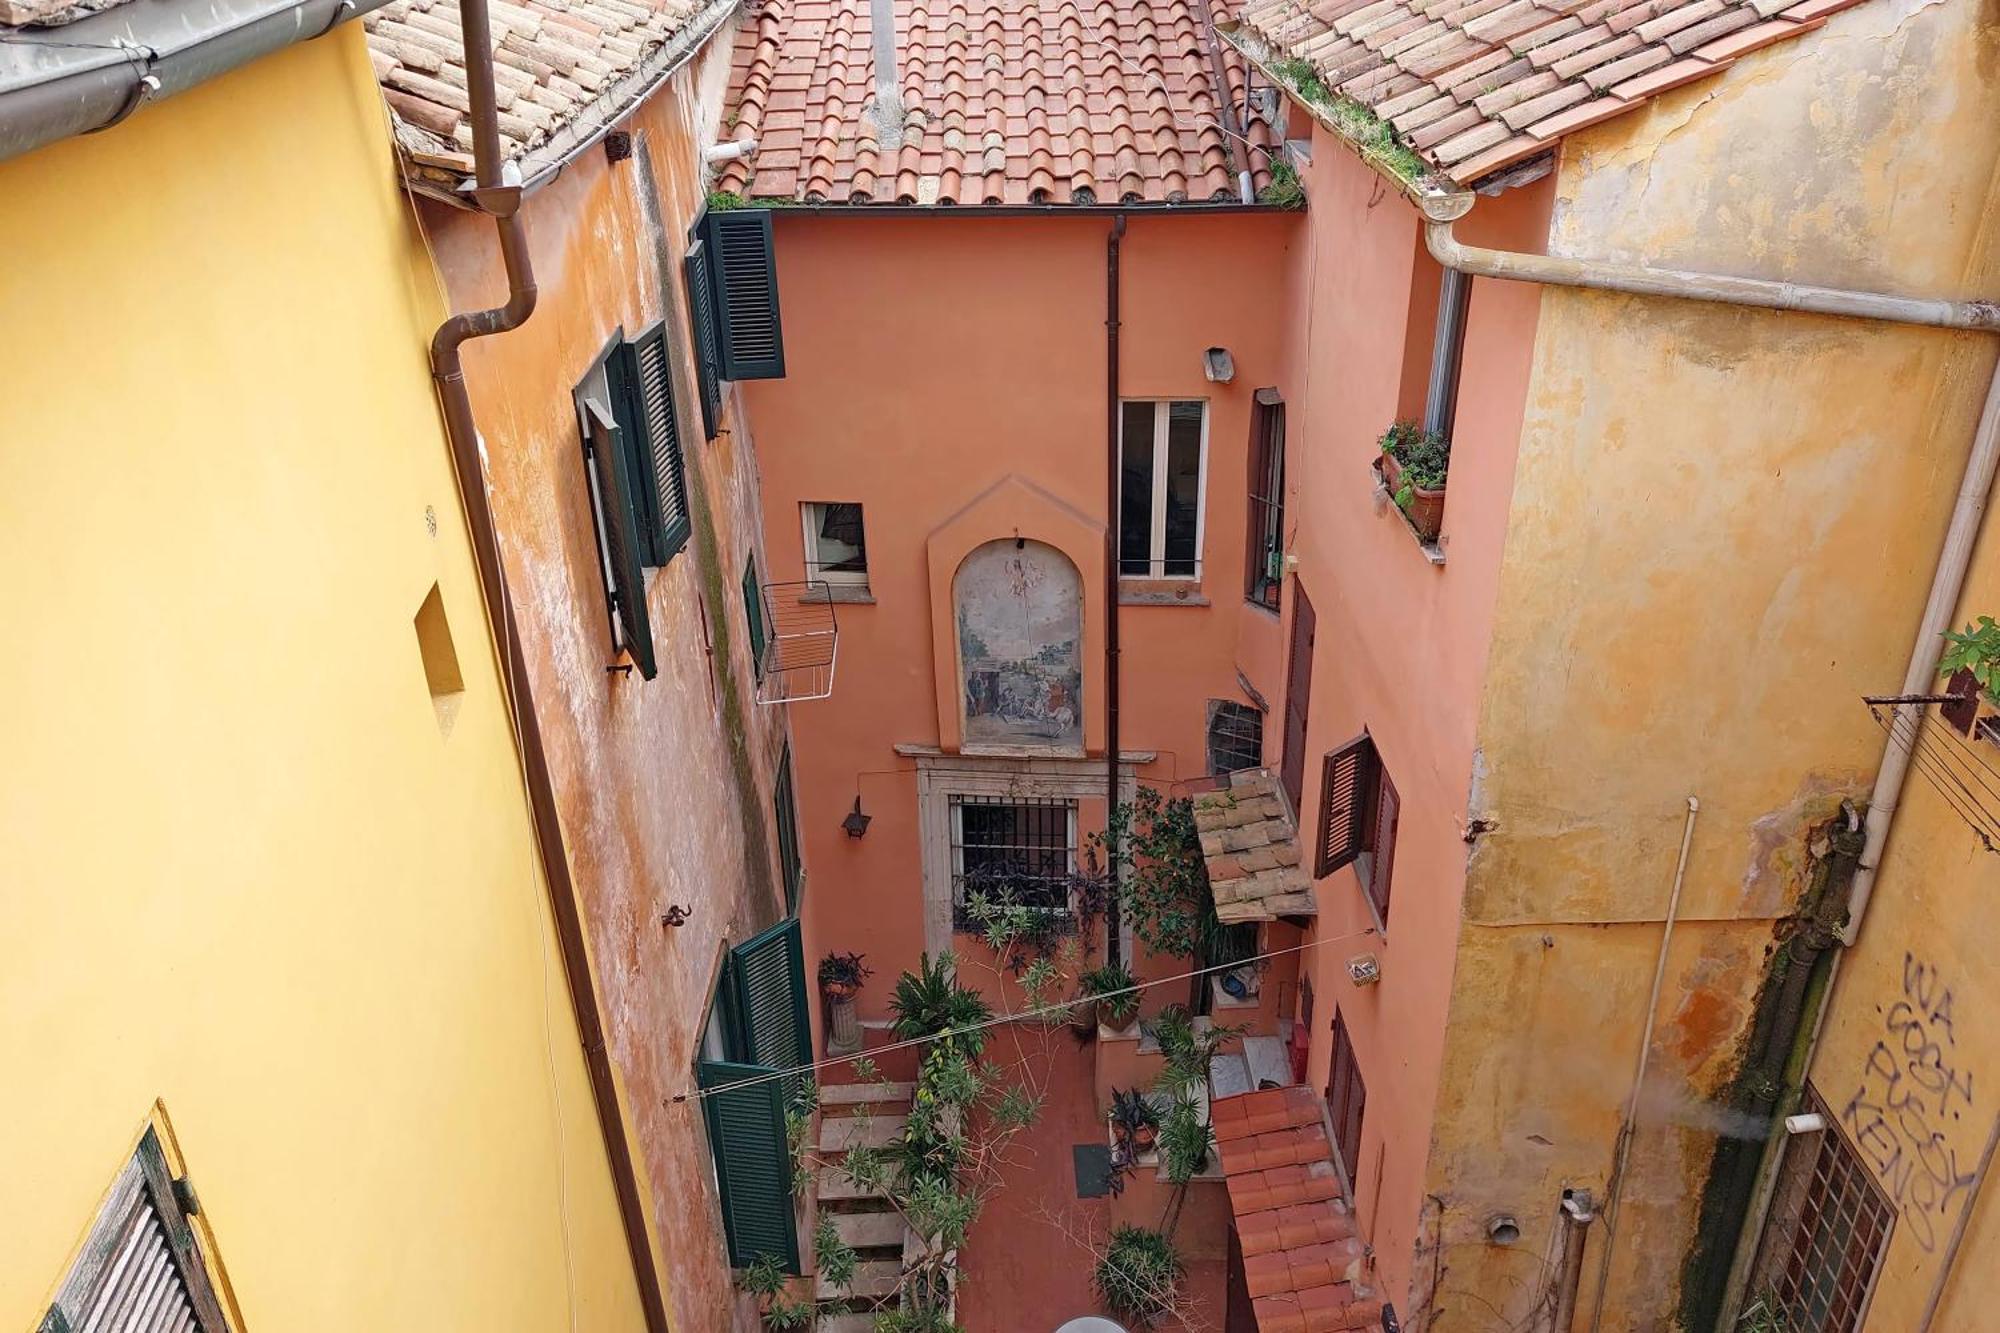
<point x="1301" y="1254"/>
<point x="1251" y="849"/>
<point x="559" y="62"/>
<point x="1474" y="86"/>
<point x="1002" y="102"/>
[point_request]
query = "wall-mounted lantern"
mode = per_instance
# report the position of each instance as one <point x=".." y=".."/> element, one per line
<point x="856" y="822"/>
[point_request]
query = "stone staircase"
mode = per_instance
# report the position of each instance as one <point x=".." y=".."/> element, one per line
<point x="856" y="1115"/>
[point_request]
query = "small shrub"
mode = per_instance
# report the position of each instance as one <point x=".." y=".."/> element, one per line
<point x="930" y="1000"/>
<point x="1976" y="650"/>
<point x="1139" y="1276"/>
<point x="766" y="1280"/>
<point x="1424" y="456"/>
<point x="1185" y="1141"/>
<point x="1113" y="987"/>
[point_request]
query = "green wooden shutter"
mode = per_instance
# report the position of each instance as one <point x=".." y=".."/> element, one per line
<point x="621" y="541"/>
<point x="744" y="269"/>
<point x="785" y="807"/>
<point x="753" y="1163"/>
<point x="753" y="613"/>
<point x="635" y="433"/>
<point x="768" y="974"/>
<point x="701" y="317"/>
<point x="658" y="459"/>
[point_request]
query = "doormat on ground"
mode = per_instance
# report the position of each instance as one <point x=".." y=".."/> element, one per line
<point x="1093" y="1170"/>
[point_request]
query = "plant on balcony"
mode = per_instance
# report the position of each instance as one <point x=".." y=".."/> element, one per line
<point x="1185" y="1142"/>
<point x="1134" y="1119"/>
<point x="1110" y="995"/>
<point x="1139" y="1275"/>
<point x="1977" y="650"/>
<point x="1413" y="465"/>
<point x="930" y="1001"/>
<point x="841" y="975"/>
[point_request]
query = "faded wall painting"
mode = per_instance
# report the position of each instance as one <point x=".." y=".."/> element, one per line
<point x="1019" y="609"/>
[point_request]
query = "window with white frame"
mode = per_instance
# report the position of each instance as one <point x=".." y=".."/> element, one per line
<point x="836" y="546"/>
<point x="1163" y="448"/>
<point x="1011" y="852"/>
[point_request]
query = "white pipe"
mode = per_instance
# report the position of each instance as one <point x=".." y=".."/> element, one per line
<point x="1616" y="1185"/>
<point x="1812" y="1122"/>
<point x="1245" y="189"/>
<point x="1597" y="274"/>
<point x="730" y="151"/>
<point x="1966" y="516"/>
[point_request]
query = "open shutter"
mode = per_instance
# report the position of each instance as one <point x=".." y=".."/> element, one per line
<point x="768" y="972"/>
<point x="621" y="539"/>
<point x="744" y="270"/>
<point x="140" y="1270"/>
<point x="1388" y="806"/>
<point x="628" y="409"/>
<point x="784" y="808"/>
<point x="659" y="459"/>
<point x="1347" y="788"/>
<point x="753" y="615"/>
<point x="701" y="317"/>
<point x="753" y="1163"/>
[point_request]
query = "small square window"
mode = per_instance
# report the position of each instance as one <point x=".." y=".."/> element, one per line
<point x="836" y="544"/>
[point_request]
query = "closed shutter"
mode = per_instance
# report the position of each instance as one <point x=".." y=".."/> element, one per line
<point x="744" y="270"/>
<point x="621" y="539"/>
<point x="141" y="1270"/>
<point x="656" y="452"/>
<point x="1383" y="845"/>
<point x="1346" y="1098"/>
<point x="753" y="1162"/>
<point x="753" y="615"/>
<point x="768" y="972"/>
<point x="701" y="318"/>
<point x="1346" y="799"/>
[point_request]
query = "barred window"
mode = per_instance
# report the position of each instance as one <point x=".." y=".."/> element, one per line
<point x="1828" y="1230"/>
<point x="1235" y="737"/>
<point x="1011" y="851"/>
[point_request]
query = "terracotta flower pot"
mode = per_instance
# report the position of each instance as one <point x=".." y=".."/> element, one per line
<point x="1083" y="1017"/>
<point x="1145" y="1136"/>
<point x="1424" y="509"/>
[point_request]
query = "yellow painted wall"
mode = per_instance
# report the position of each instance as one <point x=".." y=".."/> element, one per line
<point x="1723" y="524"/>
<point x="244" y="872"/>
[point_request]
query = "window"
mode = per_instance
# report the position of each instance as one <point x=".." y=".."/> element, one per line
<point x="1827" y="1233"/>
<point x="743" y="284"/>
<point x="836" y="546"/>
<point x="1235" y="737"/>
<point x="1358" y="812"/>
<point x="141" y="1269"/>
<point x="753" y="615"/>
<point x="785" y="809"/>
<point x="1017" y="852"/>
<point x="1162" y="445"/>
<point x="1264" y="570"/>
<point x="757" y="1025"/>
<point x="638" y="486"/>
<point x="1346" y="1098"/>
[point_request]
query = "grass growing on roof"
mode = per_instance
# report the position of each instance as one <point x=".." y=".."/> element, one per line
<point x="1284" y="189"/>
<point x="1356" y="123"/>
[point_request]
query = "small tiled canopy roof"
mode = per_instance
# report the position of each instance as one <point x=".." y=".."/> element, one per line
<point x="1301" y="1254"/>
<point x="1475" y="86"/>
<point x="1250" y="848"/>
<point x="558" y="62"/>
<point x="1011" y="102"/>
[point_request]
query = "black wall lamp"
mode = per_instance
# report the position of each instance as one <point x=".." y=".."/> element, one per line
<point x="856" y="822"/>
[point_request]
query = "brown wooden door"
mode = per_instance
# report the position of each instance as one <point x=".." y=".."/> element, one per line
<point x="1298" y="694"/>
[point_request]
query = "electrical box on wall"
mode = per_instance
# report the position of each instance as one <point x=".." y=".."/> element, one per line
<point x="1364" y="969"/>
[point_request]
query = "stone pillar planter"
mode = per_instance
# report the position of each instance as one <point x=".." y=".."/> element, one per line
<point x="843" y="1027"/>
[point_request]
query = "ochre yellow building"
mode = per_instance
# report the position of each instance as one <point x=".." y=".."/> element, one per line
<point x="269" y="883"/>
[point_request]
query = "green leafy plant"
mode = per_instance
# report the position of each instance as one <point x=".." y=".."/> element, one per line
<point x="1131" y="1110"/>
<point x="1284" y="190"/>
<point x="1115" y="990"/>
<point x="1185" y="1141"/>
<point x="1977" y="650"/>
<point x="1164" y="882"/>
<point x="1189" y="1050"/>
<point x="1763" y="1315"/>
<point x="930" y="1000"/>
<point x="1424" y="457"/>
<point x="841" y="974"/>
<point x="1375" y="137"/>
<point x="767" y="1280"/>
<point x="722" y="201"/>
<point x="801" y="1103"/>
<point x="1140" y="1274"/>
<point x="835" y="1258"/>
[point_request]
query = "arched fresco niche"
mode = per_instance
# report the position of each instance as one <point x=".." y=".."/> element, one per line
<point x="1019" y="610"/>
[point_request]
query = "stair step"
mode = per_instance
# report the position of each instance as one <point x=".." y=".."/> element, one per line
<point x="875" y="1277"/>
<point x="865" y="1094"/>
<point x="1270" y="1062"/>
<point x="839" y="1133"/>
<point x="835" y="1185"/>
<point x="1229" y="1076"/>
<point x="864" y="1231"/>
<point x="848" y="1323"/>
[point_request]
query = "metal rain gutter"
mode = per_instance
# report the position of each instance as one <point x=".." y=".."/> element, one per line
<point x="86" y="76"/>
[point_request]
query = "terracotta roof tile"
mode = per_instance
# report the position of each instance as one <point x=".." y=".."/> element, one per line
<point x="1473" y="86"/>
<point x="1251" y="848"/>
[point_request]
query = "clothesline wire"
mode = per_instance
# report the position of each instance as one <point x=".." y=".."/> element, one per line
<point x="1060" y="1006"/>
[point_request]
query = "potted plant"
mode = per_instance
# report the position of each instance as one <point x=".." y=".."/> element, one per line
<point x="1412" y="465"/>
<point x="1110" y="996"/>
<point x="840" y="978"/>
<point x="1139" y="1276"/>
<point x="1134" y="1119"/>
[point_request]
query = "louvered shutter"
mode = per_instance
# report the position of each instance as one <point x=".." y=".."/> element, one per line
<point x="621" y="540"/>
<point x="753" y="1162"/>
<point x="701" y="317"/>
<point x="1388" y="806"/>
<point x="786" y="811"/>
<point x="140" y="1270"/>
<point x="658" y="458"/>
<point x="768" y="973"/>
<point x="1347" y="787"/>
<point x="628" y="410"/>
<point x="753" y="615"/>
<point x="749" y="334"/>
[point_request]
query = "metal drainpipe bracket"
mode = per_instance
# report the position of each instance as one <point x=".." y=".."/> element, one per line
<point x="500" y="201"/>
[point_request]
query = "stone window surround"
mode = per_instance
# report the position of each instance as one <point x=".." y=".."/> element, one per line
<point x="1052" y="776"/>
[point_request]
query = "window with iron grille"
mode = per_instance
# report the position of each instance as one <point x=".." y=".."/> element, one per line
<point x="1011" y="851"/>
<point x="1235" y="737"/>
<point x="1346" y="1098"/>
<point x="1828" y="1230"/>
<point x="1264" y="570"/>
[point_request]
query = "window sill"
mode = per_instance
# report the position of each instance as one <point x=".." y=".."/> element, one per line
<point x="1160" y="592"/>
<point x="1265" y="607"/>
<point x="847" y="594"/>
<point x="1433" y="551"/>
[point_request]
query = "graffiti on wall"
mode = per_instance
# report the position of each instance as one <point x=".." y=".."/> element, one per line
<point x="1019" y="608"/>
<point x="1914" y="1093"/>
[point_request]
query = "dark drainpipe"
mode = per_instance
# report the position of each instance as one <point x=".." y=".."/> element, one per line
<point x="1112" y="468"/>
<point x="502" y="201"/>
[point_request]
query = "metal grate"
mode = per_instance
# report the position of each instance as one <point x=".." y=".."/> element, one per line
<point x="799" y="637"/>
<point x="1014" y="852"/>
<point x="1828" y="1231"/>
<point x="1235" y="737"/>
